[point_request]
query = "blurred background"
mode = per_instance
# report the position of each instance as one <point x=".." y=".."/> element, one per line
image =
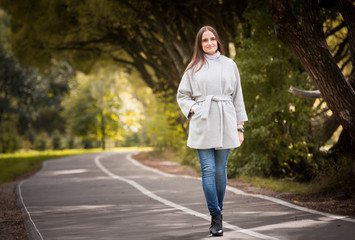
<point x="104" y="74"/>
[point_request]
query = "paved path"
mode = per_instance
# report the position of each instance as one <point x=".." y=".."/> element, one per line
<point x="111" y="196"/>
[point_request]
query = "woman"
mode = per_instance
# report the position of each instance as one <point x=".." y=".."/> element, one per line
<point x="210" y="95"/>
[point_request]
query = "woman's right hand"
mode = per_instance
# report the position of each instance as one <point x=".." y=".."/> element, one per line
<point x="194" y="107"/>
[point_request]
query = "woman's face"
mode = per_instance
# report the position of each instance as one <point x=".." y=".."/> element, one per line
<point x="209" y="43"/>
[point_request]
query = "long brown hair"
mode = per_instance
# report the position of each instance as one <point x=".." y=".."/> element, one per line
<point x="198" y="59"/>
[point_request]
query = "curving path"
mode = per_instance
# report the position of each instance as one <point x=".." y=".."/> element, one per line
<point x="112" y="196"/>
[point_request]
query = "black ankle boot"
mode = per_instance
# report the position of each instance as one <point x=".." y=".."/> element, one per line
<point x="212" y="222"/>
<point x="216" y="226"/>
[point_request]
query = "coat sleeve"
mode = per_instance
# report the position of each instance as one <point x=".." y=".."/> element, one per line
<point x="184" y="95"/>
<point x="238" y="100"/>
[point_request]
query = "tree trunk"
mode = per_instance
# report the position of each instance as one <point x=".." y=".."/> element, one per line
<point x="310" y="47"/>
<point x="103" y="128"/>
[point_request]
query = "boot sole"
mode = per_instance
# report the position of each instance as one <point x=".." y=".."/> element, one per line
<point x="217" y="234"/>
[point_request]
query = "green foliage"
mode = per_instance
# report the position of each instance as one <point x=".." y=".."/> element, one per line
<point x="162" y="131"/>
<point x="41" y="142"/>
<point x="56" y="141"/>
<point x="30" y="101"/>
<point x="165" y="129"/>
<point x="34" y="100"/>
<point x="131" y="140"/>
<point x="93" y="108"/>
<point x="278" y="139"/>
<point x="9" y="138"/>
<point x="4" y="31"/>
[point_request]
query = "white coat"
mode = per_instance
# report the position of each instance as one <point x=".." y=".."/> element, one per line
<point x="216" y="88"/>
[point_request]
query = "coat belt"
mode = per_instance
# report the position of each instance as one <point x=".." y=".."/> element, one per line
<point x="206" y="109"/>
<point x="207" y="104"/>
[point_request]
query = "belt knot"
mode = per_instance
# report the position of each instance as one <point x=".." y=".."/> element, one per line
<point x="207" y="103"/>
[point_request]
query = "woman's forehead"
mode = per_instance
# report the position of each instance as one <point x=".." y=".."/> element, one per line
<point x="207" y="34"/>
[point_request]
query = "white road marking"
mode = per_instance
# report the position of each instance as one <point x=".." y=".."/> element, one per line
<point x="64" y="172"/>
<point x="177" y="206"/>
<point x="28" y="214"/>
<point x="240" y="192"/>
<point x="44" y="166"/>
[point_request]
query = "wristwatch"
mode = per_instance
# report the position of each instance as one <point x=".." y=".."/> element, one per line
<point x="241" y="130"/>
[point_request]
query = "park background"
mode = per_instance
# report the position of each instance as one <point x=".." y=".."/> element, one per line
<point x="104" y="73"/>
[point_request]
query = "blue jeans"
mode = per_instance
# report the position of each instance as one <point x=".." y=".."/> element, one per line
<point x="214" y="177"/>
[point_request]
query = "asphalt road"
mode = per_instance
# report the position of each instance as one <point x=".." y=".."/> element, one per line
<point x="111" y="196"/>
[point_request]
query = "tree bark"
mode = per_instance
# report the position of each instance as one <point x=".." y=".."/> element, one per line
<point x="309" y="46"/>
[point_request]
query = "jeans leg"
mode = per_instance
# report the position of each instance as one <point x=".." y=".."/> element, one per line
<point x="208" y="172"/>
<point x="221" y="159"/>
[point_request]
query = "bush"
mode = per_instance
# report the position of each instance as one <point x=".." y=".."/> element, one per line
<point x="131" y="140"/>
<point x="56" y="140"/>
<point x="41" y="142"/>
<point x="337" y="175"/>
<point x="10" y="141"/>
<point x="164" y="125"/>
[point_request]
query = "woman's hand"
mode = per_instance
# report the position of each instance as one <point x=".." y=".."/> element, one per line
<point x="194" y="107"/>
<point x="241" y="137"/>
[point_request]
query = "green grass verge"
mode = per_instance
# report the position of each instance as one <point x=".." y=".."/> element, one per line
<point x="13" y="165"/>
<point x="280" y="185"/>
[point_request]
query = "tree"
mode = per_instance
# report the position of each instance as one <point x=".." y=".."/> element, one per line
<point x="16" y="87"/>
<point x="29" y="100"/>
<point x="155" y="37"/>
<point x="92" y="109"/>
<point x="308" y="42"/>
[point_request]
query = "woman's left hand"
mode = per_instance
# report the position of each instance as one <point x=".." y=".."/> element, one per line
<point x="241" y="137"/>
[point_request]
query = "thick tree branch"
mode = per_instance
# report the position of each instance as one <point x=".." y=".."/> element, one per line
<point x="304" y="94"/>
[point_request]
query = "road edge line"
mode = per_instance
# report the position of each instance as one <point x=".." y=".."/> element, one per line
<point x="26" y="216"/>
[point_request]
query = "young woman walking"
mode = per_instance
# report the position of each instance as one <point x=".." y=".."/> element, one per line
<point x="210" y="95"/>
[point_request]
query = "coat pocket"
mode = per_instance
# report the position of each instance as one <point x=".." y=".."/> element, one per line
<point x="197" y="125"/>
<point x="197" y="113"/>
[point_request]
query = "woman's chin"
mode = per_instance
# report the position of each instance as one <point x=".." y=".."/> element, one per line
<point x="211" y="52"/>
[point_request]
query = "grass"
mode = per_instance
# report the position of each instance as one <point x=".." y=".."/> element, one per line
<point x="13" y="165"/>
<point x="280" y="185"/>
